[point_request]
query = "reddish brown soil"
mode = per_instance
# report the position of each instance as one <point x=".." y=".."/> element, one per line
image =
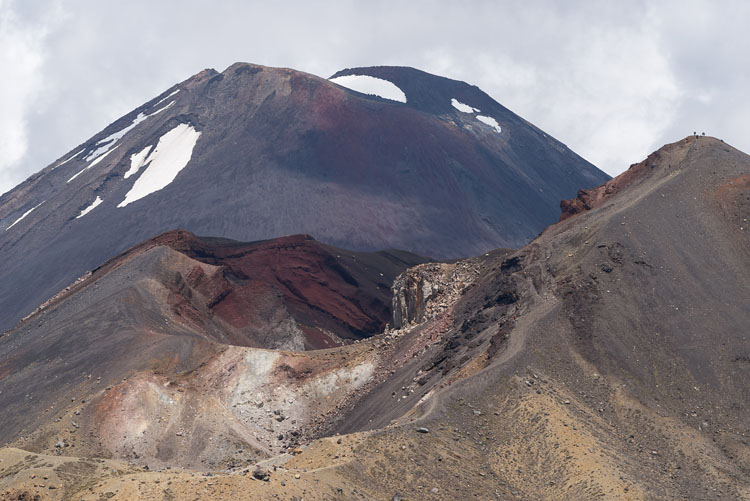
<point x="734" y="193"/>
<point x="320" y="290"/>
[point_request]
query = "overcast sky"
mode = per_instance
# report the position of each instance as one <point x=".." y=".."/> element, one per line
<point x="612" y="80"/>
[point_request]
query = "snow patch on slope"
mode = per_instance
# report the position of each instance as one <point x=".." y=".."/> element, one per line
<point x="166" y="97"/>
<point x="491" y="122"/>
<point x="106" y="145"/>
<point x="170" y="156"/>
<point x="21" y="218"/>
<point x="372" y="86"/>
<point x="102" y="151"/>
<point x="161" y="109"/>
<point x="465" y="108"/>
<point x="91" y="207"/>
<point x="138" y="160"/>
<point x="98" y="159"/>
<point x="69" y="159"/>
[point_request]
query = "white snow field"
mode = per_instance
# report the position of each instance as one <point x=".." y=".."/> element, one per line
<point x="465" y="108"/>
<point x="171" y="155"/>
<point x="491" y="122"/>
<point x="138" y="160"/>
<point x="372" y="86"/>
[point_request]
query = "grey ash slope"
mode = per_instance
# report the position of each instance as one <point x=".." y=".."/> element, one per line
<point x="609" y="358"/>
<point x="282" y="152"/>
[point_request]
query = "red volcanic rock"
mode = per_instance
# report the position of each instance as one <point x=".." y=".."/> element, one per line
<point x="326" y="291"/>
<point x="590" y="199"/>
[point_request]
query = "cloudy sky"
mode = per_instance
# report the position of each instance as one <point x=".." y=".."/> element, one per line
<point x="612" y="80"/>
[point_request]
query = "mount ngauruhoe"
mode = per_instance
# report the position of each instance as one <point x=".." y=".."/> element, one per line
<point x="413" y="161"/>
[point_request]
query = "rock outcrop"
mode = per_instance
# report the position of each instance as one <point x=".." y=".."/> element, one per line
<point x="425" y="291"/>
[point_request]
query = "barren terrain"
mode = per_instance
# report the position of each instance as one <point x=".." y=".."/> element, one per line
<point x="607" y="359"/>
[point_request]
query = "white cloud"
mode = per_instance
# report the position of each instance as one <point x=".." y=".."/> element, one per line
<point x="21" y="57"/>
<point x="612" y="80"/>
<point x="606" y="90"/>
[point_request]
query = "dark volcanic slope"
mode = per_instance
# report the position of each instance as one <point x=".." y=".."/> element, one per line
<point x="270" y="152"/>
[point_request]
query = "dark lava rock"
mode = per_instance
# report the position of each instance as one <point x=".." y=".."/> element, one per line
<point x="261" y="474"/>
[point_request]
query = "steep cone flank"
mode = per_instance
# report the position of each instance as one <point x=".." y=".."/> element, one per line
<point x="254" y="153"/>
